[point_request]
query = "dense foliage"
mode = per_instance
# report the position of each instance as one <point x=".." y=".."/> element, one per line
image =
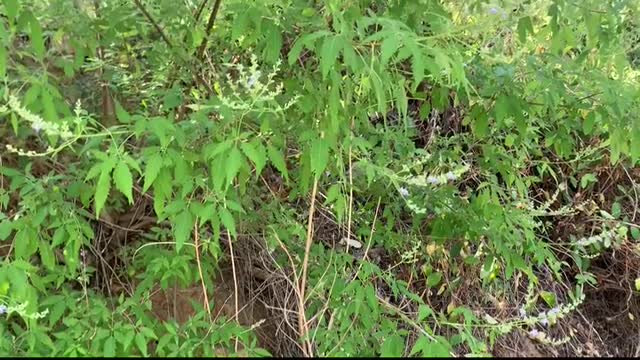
<point x="383" y="177"/>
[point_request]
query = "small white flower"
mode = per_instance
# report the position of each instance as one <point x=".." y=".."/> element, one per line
<point x="534" y="333"/>
<point x="37" y="126"/>
<point x="522" y="312"/>
<point x="493" y="10"/>
<point x="433" y="180"/>
<point x="403" y="192"/>
<point x="544" y="322"/>
<point x="451" y="176"/>
<point x="253" y="79"/>
<point x="553" y="312"/>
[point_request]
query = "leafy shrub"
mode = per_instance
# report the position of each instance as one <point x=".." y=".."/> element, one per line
<point x="144" y="141"/>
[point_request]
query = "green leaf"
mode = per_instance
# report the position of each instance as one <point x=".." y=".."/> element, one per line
<point x="5" y="229"/>
<point x="273" y="43"/>
<point x="501" y="109"/>
<point x="424" y="312"/>
<point x="589" y="122"/>
<point x="3" y="61"/>
<point x="389" y="47"/>
<point x="308" y="12"/>
<point x="122" y="114"/>
<point x="635" y="233"/>
<point x="429" y="348"/>
<point x="25" y="243"/>
<point x="434" y="279"/>
<point x="11" y="7"/>
<point x="319" y="156"/>
<point x="256" y="153"/>
<point x="277" y="160"/>
<point x="102" y="190"/>
<point x="110" y="347"/>
<point x="154" y="164"/>
<point x="233" y="164"/>
<point x="182" y="226"/>
<point x="37" y="42"/>
<point x="123" y="180"/>
<point x="301" y="43"/>
<point x="549" y="298"/>
<point x="329" y="53"/>
<point x="393" y="346"/>
<point x="148" y="333"/>
<point x="587" y="179"/>
<point x="141" y="343"/>
<point x="524" y="26"/>
<point x="227" y="220"/>
<point x="616" y="210"/>
<point x="46" y="255"/>
<point x="417" y="64"/>
<point x="637" y="283"/>
<point x="128" y="339"/>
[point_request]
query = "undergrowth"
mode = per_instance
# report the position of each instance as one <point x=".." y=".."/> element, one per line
<point x="313" y="178"/>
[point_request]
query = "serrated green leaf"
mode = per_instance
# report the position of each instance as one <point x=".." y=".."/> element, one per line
<point x="616" y="210"/>
<point x="319" y="156"/>
<point x="148" y="333"/>
<point x="46" y="255"/>
<point x="3" y="61"/>
<point x="37" y="41"/>
<point x="102" y="190"/>
<point x="122" y="114"/>
<point x="549" y="298"/>
<point x="501" y="109"/>
<point x="11" y="7"/>
<point x="524" y="26"/>
<point x="141" y="343"/>
<point x="5" y="229"/>
<point x="424" y="312"/>
<point x="94" y="171"/>
<point x="331" y="47"/>
<point x="393" y="346"/>
<point x="277" y="160"/>
<point x="123" y="180"/>
<point x="110" y="347"/>
<point x="233" y="164"/>
<point x="301" y="43"/>
<point x="434" y="279"/>
<point x="273" y="43"/>
<point x="256" y="153"/>
<point x="429" y="348"/>
<point x="587" y="179"/>
<point x="308" y="12"/>
<point x="417" y="64"/>
<point x="227" y="220"/>
<point x="182" y="227"/>
<point x="589" y="122"/>
<point x="154" y="164"/>
<point x="128" y="339"/>
<point x="389" y="47"/>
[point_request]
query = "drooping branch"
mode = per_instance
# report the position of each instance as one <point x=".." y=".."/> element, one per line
<point x="153" y="22"/>
<point x="212" y="20"/>
<point x="199" y="11"/>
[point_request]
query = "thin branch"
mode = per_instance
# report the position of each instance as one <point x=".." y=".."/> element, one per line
<point x="153" y="22"/>
<point x="302" y="317"/>
<point x="199" y="11"/>
<point x="204" y="287"/>
<point x="212" y="19"/>
<point x="235" y="284"/>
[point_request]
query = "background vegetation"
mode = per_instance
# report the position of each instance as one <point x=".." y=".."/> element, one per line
<point x="319" y="178"/>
